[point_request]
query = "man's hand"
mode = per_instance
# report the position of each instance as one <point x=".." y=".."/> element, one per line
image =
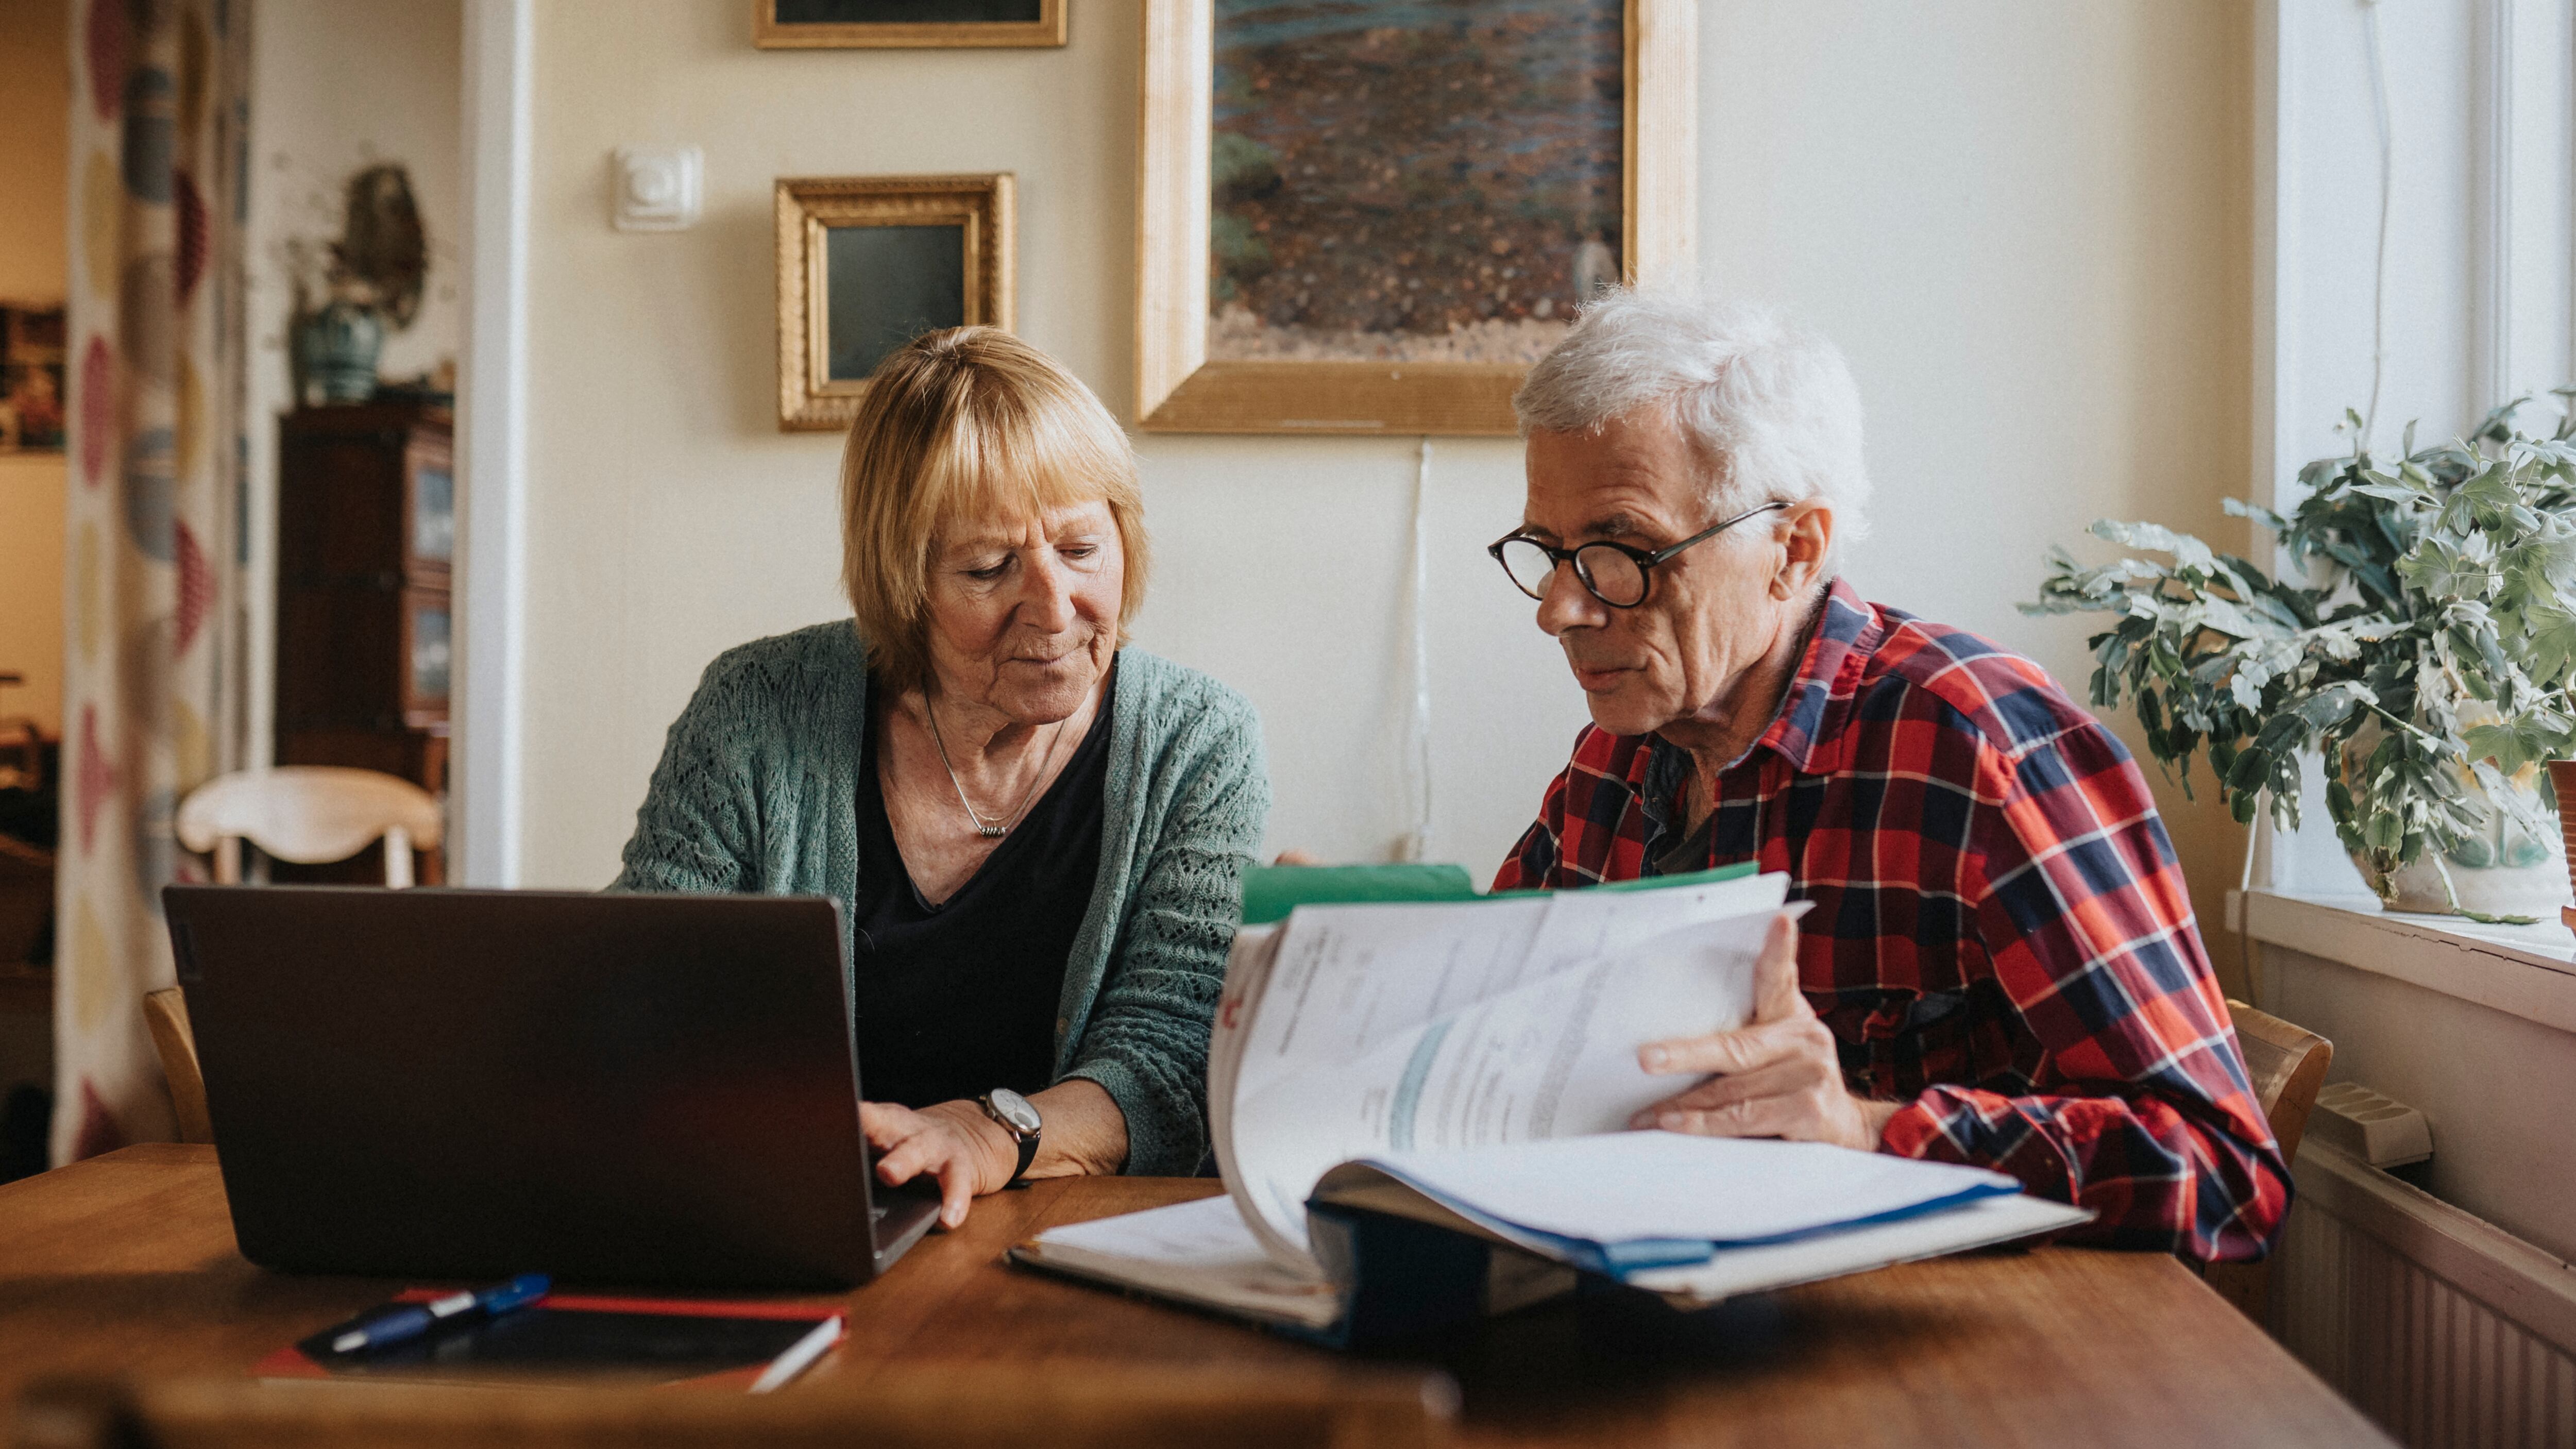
<point x="1775" y="1077"/>
<point x="955" y="1142"/>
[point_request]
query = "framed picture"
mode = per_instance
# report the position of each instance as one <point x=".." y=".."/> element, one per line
<point x="31" y="379"/>
<point x="867" y="263"/>
<point x="1372" y="216"/>
<point x="904" y="24"/>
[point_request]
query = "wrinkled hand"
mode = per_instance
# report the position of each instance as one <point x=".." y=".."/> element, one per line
<point x="1295" y="856"/>
<point x="954" y="1142"/>
<point x="1777" y="1076"/>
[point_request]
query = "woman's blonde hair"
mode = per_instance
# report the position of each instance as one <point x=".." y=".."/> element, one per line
<point x="959" y="424"/>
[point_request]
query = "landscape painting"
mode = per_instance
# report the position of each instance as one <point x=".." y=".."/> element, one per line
<point x="1412" y="180"/>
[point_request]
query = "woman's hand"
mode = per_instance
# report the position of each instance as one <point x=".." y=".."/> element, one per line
<point x="954" y="1142"/>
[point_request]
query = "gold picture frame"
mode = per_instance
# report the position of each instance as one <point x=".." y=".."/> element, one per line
<point x="768" y="32"/>
<point x="819" y="386"/>
<point x="1180" y="389"/>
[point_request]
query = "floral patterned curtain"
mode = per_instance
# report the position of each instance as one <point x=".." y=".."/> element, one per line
<point x="153" y="681"/>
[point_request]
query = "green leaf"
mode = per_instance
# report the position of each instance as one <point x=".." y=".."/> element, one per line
<point x="2252" y="768"/>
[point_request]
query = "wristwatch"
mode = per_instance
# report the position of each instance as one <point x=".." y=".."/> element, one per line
<point x="1019" y="1118"/>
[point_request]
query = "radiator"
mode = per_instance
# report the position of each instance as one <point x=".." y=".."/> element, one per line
<point x="2446" y="1329"/>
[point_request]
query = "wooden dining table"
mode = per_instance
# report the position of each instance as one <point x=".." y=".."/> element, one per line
<point x="125" y="1265"/>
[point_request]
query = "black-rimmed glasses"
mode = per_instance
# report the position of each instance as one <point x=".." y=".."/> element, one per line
<point x="1615" y="573"/>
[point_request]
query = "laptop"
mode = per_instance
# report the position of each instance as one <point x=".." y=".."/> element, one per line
<point x="614" y="1089"/>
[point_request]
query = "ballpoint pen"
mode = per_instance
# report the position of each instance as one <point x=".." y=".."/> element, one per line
<point x="411" y="1320"/>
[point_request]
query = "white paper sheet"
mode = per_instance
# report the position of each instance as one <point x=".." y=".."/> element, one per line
<point x="1748" y="1270"/>
<point x="1556" y="1056"/>
<point x="1627" y="1186"/>
<point x="1200" y="1252"/>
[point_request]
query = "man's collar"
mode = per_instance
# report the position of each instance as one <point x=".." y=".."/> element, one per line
<point x="1813" y="709"/>
<point x="1845" y="632"/>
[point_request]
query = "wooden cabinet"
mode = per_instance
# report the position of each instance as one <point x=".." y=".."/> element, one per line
<point x="366" y="546"/>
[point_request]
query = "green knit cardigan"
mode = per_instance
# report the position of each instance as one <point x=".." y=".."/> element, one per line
<point x="757" y="792"/>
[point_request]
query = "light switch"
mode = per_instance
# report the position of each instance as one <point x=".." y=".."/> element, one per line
<point x="657" y="188"/>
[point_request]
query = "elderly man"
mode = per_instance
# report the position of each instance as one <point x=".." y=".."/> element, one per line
<point x="2000" y="966"/>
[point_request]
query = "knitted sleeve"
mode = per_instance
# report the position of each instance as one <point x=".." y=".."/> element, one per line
<point x="697" y="830"/>
<point x="1147" y="1040"/>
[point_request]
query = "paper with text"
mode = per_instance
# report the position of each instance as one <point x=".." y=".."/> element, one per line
<point x="1531" y="1034"/>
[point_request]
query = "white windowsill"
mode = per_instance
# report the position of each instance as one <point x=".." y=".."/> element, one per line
<point x="2524" y="971"/>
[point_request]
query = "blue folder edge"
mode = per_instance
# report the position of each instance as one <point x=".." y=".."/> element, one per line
<point x="1405" y="1279"/>
<point x="1636" y="1255"/>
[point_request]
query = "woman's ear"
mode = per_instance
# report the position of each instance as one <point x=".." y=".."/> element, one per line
<point x="1807" y="537"/>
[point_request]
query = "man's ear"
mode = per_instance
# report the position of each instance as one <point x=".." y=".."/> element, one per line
<point x="1806" y="538"/>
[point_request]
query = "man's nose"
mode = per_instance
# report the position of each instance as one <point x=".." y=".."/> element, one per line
<point x="1567" y="604"/>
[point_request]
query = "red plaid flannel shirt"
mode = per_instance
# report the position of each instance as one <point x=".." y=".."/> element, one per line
<point x="2001" y="938"/>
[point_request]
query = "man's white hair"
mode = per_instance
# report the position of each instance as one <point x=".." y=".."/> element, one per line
<point x="1769" y="407"/>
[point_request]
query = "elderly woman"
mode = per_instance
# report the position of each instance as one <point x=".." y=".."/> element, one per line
<point x="1036" y="835"/>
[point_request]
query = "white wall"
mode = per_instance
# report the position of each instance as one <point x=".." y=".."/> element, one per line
<point x="337" y="86"/>
<point x="2025" y="221"/>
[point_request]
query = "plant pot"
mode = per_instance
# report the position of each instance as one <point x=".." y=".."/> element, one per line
<point x="339" y="345"/>
<point x="2562" y="780"/>
<point x="2503" y="870"/>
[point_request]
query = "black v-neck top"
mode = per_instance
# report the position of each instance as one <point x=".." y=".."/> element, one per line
<point x="959" y="998"/>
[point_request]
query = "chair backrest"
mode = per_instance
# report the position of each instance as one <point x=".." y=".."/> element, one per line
<point x="166" y="1012"/>
<point x="1002" y="1406"/>
<point x="2288" y="1064"/>
<point x="309" y="814"/>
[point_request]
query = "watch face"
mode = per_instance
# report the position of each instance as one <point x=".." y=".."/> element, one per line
<point x="1015" y="1110"/>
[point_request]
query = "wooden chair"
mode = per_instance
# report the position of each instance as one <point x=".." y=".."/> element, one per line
<point x="1063" y="1405"/>
<point x="166" y="1012"/>
<point x="2288" y="1064"/>
<point x="309" y="814"/>
<point x="302" y="813"/>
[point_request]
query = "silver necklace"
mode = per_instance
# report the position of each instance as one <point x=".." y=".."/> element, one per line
<point x="1001" y="823"/>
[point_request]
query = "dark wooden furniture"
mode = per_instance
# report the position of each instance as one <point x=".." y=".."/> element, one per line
<point x="26" y="909"/>
<point x="124" y="1265"/>
<point x="366" y="547"/>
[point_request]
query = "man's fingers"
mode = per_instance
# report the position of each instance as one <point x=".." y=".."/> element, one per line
<point x="1730" y="1051"/>
<point x="1775" y="975"/>
<point x="1797" y="1073"/>
<point x="1788" y="1116"/>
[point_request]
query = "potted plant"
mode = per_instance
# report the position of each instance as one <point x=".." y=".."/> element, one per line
<point x="2427" y="654"/>
<point x="368" y="283"/>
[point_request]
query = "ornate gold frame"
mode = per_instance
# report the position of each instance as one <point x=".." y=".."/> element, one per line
<point x="1179" y="391"/>
<point x="769" y="33"/>
<point x="980" y="206"/>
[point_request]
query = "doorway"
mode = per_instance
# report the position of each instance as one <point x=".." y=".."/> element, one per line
<point x="35" y="163"/>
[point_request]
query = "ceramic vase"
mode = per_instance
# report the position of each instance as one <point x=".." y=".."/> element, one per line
<point x="339" y="345"/>
<point x="2562" y="781"/>
<point x="2502" y="870"/>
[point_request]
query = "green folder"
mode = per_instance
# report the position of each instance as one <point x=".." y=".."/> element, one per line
<point x="1270" y="892"/>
